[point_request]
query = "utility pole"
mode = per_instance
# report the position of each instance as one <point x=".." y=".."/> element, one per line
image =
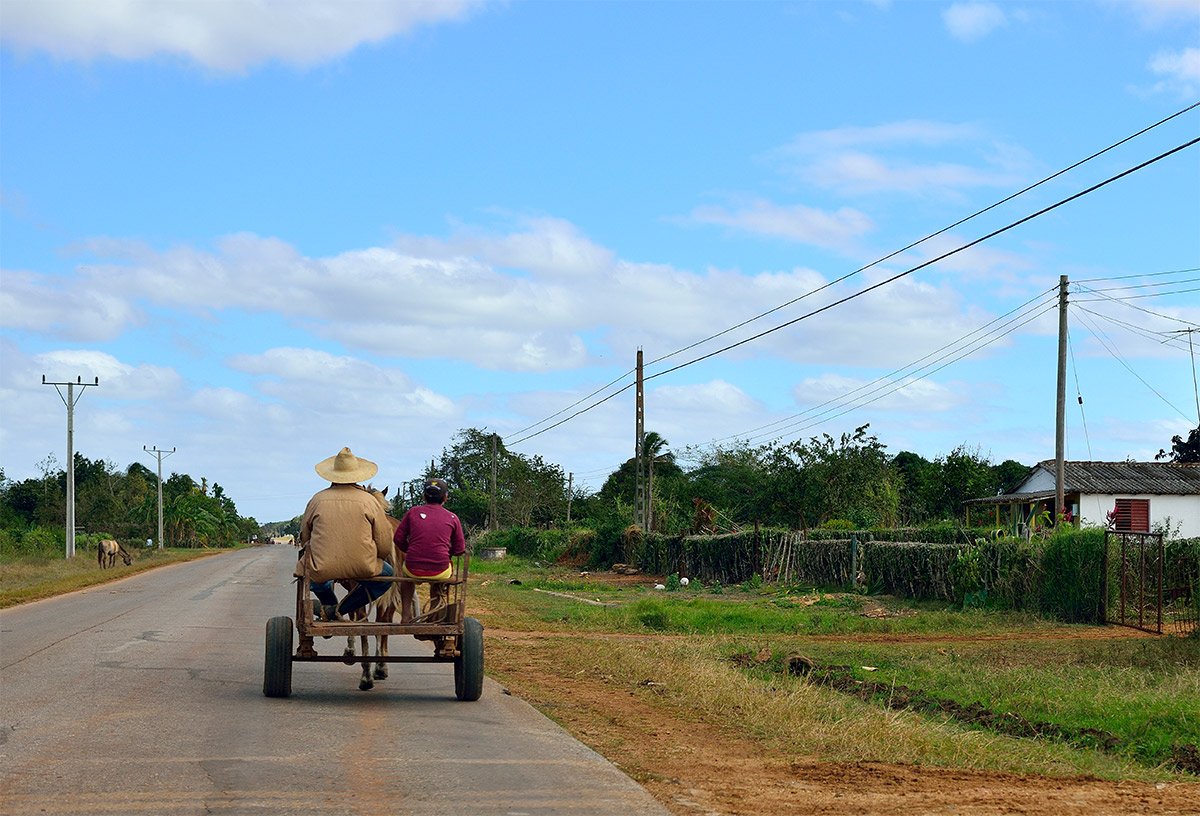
<point x="570" y="494"/>
<point x="159" y="454"/>
<point x="69" y="400"/>
<point x="640" y="431"/>
<point x="1060" y="417"/>
<point x="493" y="521"/>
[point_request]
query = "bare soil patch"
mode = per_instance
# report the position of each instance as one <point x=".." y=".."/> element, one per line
<point x="696" y="767"/>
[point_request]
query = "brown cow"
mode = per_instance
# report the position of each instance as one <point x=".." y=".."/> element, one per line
<point x="107" y="552"/>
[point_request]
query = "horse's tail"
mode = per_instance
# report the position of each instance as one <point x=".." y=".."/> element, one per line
<point x="389" y="599"/>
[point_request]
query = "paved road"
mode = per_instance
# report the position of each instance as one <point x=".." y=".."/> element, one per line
<point x="145" y="696"/>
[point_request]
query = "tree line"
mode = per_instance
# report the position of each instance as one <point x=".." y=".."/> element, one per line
<point x="850" y="480"/>
<point x="119" y="504"/>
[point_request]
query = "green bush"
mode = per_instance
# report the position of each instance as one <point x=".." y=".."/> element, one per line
<point x="1072" y="562"/>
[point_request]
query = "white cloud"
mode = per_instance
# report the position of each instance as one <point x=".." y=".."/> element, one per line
<point x="1155" y="13"/>
<point x="912" y="157"/>
<point x="1180" y="71"/>
<point x="119" y="380"/>
<point x="969" y="22"/>
<point x="52" y="305"/>
<point x="223" y="36"/>
<point x="907" y="394"/>
<point x="331" y="384"/>
<point x="830" y="230"/>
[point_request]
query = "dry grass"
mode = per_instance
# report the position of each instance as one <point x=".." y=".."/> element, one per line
<point x="791" y="718"/>
<point x="25" y="580"/>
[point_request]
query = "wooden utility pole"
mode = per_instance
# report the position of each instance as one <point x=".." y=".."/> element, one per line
<point x="69" y="400"/>
<point x="493" y="521"/>
<point x="159" y="454"/>
<point x="640" y="502"/>
<point x="1060" y="418"/>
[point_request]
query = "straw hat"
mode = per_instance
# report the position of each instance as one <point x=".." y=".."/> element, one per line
<point x="346" y="468"/>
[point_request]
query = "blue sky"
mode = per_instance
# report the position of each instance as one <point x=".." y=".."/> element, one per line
<point x="272" y="229"/>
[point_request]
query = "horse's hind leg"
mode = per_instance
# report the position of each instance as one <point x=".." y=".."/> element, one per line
<point x="365" y="683"/>
<point x="381" y="671"/>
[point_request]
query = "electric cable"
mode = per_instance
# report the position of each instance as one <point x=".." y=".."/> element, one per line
<point x="1135" y="329"/>
<point x="890" y="255"/>
<point x="1079" y="395"/>
<point x="891" y="376"/>
<point x="1139" y="297"/>
<point x="932" y="235"/>
<point x="1143" y="309"/>
<point x="822" y="418"/>
<point x="932" y="261"/>
<point x="1141" y="275"/>
<point x="1104" y="341"/>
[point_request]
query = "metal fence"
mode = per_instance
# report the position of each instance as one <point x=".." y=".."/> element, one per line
<point x="1147" y="587"/>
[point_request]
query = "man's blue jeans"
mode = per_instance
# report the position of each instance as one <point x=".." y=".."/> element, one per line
<point x="360" y="596"/>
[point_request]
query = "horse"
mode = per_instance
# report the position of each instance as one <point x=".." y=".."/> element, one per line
<point x="107" y="552"/>
<point x="385" y="612"/>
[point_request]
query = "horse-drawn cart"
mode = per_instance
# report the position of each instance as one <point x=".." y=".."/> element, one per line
<point x="456" y="638"/>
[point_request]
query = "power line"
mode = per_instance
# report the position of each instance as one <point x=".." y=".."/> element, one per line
<point x="1104" y="341"/>
<point x="1139" y="297"/>
<point x="941" y="257"/>
<point x="1079" y="396"/>
<point x="892" y="376"/>
<point x="930" y="236"/>
<point x="1143" y="309"/>
<point x="890" y="255"/>
<point x="573" y="404"/>
<point x="1138" y="330"/>
<point x="1141" y="275"/>
<point x="899" y="386"/>
<point x="880" y="284"/>
<point x="1146" y="285"/>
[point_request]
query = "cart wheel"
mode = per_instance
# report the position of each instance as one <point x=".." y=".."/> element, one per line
<point x="468" y="666"/>
<point x="277" y="670"/>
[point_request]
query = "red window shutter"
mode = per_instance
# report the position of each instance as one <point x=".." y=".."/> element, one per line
<point x="1133" y="515"/>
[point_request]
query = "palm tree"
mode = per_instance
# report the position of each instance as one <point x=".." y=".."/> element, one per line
<point x="654" y="449"/>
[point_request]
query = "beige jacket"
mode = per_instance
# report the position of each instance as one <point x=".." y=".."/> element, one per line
<point x="345" y="534"/>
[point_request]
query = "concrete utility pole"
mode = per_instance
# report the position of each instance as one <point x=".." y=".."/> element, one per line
<point x="1060" y="418"/>
<point x="69" y="399"/>
<point x="640" y="431"/>
<point x="493" y="520"/>
<point x="159" y="454"/>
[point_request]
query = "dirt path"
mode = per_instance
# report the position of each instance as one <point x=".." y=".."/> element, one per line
<point x="694" y="767"/>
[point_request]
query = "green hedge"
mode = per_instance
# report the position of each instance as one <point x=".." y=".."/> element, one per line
<point x="541" y="545"/>
<point x="912" y="569"/>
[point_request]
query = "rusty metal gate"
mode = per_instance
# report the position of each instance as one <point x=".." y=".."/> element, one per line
<point x="1146" y="590"/>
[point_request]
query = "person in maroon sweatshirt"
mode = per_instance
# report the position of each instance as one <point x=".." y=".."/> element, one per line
<point x="428" y="535"/>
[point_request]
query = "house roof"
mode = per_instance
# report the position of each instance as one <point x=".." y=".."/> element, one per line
<point x="1107" y="478"/>
<point x="1155" y="478"/>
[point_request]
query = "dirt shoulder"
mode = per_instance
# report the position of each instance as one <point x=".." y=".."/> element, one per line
<point x="694" y="767"/>
<point x="698" y="767"/>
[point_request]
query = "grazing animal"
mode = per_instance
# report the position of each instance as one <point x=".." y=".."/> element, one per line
<point x="107" y="552"/>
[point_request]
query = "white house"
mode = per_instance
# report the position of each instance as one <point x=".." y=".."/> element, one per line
<point x="1139" y="495"/>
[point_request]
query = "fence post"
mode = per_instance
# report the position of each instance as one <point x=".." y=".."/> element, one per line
<point x="854" y="561"/>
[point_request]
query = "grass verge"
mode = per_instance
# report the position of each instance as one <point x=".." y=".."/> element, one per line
<point x="30" y="579"/>
<point x="679" y="650"/>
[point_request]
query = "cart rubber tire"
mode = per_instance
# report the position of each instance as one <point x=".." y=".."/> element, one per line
<point x="277" y="666"/>
<point x="468" y="666"/>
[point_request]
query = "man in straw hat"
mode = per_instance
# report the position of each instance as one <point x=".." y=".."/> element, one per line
<point x="345" y="534"/>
